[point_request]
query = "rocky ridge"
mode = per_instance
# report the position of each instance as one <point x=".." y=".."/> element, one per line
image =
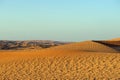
<point x="30" y="44"/>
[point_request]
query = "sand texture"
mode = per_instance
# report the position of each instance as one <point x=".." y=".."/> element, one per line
<point x="87" y="60"/>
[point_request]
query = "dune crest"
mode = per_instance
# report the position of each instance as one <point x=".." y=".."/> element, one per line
<point x="115" y="39"/>
<point x="86" y="46"/>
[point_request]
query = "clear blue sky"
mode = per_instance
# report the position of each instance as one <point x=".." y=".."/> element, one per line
<point x="63" y="20"/>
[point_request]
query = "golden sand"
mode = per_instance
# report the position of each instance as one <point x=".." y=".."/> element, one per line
<point x="77" y="61"/>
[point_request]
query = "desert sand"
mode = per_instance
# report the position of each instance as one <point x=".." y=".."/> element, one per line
<point x="88" y="60"/>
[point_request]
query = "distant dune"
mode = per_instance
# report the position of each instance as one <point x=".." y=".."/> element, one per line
<point x="88" y="60"/>
<point x="115" y="39"/>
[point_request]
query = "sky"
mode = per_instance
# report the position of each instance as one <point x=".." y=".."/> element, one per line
<point x="61" y="20"/>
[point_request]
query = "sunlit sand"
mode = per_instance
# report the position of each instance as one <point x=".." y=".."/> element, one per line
<point x="76" y="61"/>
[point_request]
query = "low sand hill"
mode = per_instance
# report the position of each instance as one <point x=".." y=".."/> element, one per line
<point x="115" y="39"/>
<point x="87" y="46"/>
<point x="112" y="44"/>
<point x="76" y="61"/>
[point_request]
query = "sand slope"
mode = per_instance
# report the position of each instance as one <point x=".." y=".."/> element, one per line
<point x="114" y="43"/>
<point x="86" y="46"/>
<point x="115" y="39"/>
<point x="77" y="61"/>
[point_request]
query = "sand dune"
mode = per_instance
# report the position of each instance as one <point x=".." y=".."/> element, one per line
<point x="86" y="46"/>
<point x="115" y="39"/>
<point x="76" y="61"/>
<point x="111" y="43"/>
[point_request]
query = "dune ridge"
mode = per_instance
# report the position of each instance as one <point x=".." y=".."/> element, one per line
<point x="112" y="44"/>
<point x="115" y="39"/>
